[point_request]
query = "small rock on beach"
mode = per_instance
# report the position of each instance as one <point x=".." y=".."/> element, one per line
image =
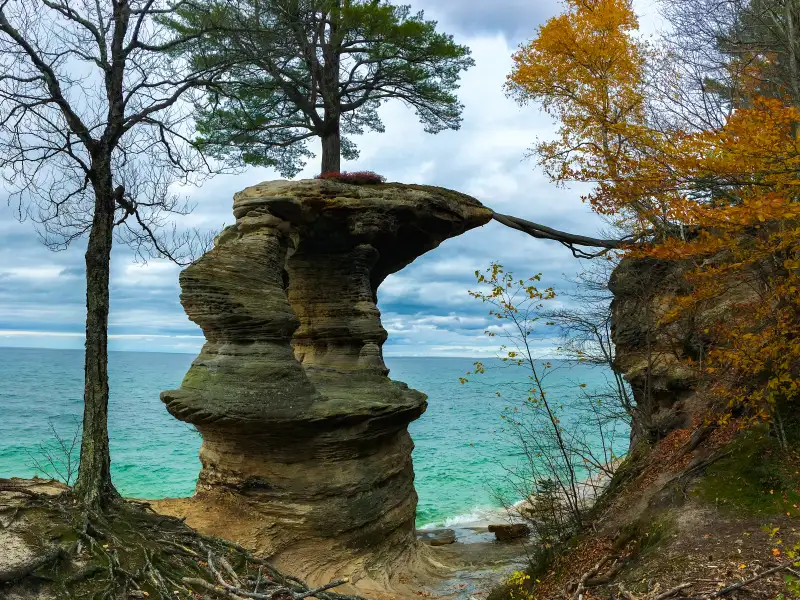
<point x="506" y="533"/>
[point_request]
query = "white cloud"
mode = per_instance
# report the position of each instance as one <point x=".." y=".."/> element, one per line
<point x="34" y="274"/>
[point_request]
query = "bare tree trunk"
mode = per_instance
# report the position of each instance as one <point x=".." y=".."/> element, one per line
<point x="94" y="485"/>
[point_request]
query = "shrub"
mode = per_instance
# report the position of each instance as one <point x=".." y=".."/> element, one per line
<point x="354" y="178"/>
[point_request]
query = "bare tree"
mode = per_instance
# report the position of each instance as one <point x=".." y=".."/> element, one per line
<point x="719" y="54"/>
<point x="585" y="328"/>
<point x="93" y="135"/>
<point x="58" y="458"/>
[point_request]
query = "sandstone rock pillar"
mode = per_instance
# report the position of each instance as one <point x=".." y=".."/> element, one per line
<point x="306" y="454"/>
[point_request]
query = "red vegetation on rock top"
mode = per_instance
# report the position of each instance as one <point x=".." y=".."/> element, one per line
<point x="354" y="178"/>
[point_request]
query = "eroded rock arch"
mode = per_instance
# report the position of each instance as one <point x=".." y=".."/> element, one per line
<point x="306" y="454"/>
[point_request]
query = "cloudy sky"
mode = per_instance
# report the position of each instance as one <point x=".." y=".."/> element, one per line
<point x="425" y="308"/>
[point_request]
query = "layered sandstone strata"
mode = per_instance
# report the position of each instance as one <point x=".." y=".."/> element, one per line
<point x="306" y="454"/>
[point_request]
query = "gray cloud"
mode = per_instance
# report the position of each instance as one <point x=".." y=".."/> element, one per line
<point x="517" y="20"/>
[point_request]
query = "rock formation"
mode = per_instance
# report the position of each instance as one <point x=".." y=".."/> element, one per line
<point x="652" y="352"/>
<point x="306" y="454"/>
<point x="649" y="355"/>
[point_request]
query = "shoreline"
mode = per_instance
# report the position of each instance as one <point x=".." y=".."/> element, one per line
<point x="588" y="489"/>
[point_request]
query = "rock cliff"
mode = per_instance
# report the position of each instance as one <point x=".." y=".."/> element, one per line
<point x="306" y="454"/>
<point x="652" y="356"/>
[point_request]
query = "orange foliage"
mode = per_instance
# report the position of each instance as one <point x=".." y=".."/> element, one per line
<point x="722" y="200"/>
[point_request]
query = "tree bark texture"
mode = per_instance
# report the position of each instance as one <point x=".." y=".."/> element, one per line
<point x="332" y="152"/>
<point x="94" y="477"/>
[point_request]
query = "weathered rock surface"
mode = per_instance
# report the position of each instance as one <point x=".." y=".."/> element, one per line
<point x="437" y="537"/>
<point x="306" y="454"/>
<point x="506" y="533"/>
<point x="652" y="352"/>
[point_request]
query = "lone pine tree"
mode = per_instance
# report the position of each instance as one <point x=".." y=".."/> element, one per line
<point x="304" y="69"/>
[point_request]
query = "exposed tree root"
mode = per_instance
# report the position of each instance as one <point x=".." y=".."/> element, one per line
<point x="570" y="240"/>
<point x="26" y="568"/>
<point x="128" y="551"/>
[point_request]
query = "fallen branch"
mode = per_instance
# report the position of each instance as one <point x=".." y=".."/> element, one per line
<point x="606" y="577"/>
<point x="670" y="593"/>
<point x="746" y="582"/>
<point x="710" y="595"/>
<point x="673" y="591"/>
<point x="581" y="587"/>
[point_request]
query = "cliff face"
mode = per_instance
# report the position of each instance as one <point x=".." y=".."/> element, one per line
<point x="652" y="357"/>
<point x="306" y="454"/>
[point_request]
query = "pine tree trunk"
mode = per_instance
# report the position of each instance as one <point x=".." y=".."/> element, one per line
<point x="94" y="485"/>
<point x="332" y="152"/>
<point x="332" y="134"/>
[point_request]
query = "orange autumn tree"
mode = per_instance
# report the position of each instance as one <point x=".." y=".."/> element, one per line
<point x="722" y="199"/>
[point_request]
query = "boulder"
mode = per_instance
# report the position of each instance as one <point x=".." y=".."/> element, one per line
<point x="506" y="533"/>
<point x="306" y="455"/>
<point x="437" y="537"/>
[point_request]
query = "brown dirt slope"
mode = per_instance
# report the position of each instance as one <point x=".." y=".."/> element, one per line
<point x="698" y="515"/>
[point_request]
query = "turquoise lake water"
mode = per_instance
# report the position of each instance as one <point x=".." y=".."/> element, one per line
<point x="460" y="456"/>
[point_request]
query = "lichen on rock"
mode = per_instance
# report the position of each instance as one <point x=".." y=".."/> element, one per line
<point x="306" y="454"/>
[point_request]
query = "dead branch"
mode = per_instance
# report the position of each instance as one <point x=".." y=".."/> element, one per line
<point x="746" y="582"/>
<point x="581" y="587"/>
<point x="673" y="591"/>
<point x="59" y="457"/>
<point x="607" y="577"/>
<point x="708" y="595"/>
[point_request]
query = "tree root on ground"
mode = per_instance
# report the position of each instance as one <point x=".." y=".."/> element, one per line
<point x="129" y="551"/>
